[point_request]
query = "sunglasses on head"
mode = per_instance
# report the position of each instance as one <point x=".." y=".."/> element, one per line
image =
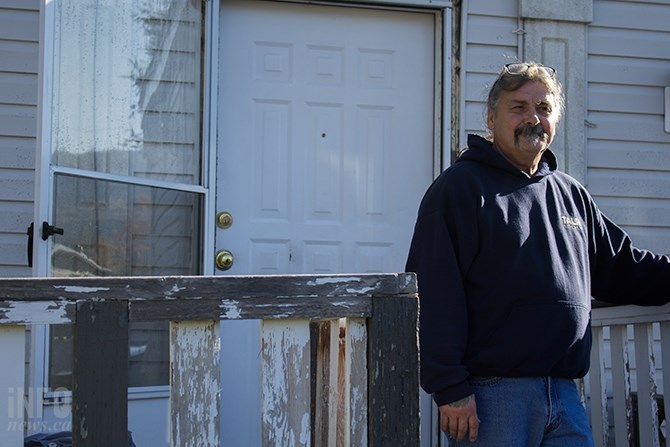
<point x="519" y="68"/>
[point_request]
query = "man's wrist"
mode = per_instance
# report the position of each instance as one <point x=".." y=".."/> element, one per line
<point x="461" y="402"/>
<point x="452" y="394"/>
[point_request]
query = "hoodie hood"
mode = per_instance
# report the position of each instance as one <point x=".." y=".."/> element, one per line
<point x="480" y="150"/>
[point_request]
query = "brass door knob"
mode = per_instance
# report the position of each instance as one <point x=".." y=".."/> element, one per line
<point x="224" y="260"/>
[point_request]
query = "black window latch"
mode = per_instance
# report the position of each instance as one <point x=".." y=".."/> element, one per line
<point x="47" y="230"/>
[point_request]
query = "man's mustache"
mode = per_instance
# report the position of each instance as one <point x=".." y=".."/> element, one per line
<point x="528" y="130"/>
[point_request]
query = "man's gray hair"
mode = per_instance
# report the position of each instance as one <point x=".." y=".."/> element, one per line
<point x="511" y="78"/>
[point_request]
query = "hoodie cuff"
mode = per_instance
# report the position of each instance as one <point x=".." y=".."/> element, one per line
<point x="452" y="394"/>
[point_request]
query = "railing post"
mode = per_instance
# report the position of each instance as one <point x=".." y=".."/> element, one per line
<point x="599" y="420"/>
<point x="356" y="368"/>
<point x="393" y="372"/>
<point x="665" y="365"/>
<point x="621" y="390"/>
<point x="326" y="390"/>
<point x="285" y="366"/>
<point x="100" y="374"/>
<point x="647" y="410"/>
<point x="195" y="383"/>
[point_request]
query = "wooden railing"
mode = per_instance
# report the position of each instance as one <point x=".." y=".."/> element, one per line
<point x="630" y="363"/>
<point x="338" y="333"/>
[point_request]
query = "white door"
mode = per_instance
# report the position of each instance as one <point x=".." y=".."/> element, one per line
<point x="325" y="147"/>
<point x="325" y="135"/>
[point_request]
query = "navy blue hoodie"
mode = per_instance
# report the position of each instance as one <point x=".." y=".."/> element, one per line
<point x="506" y="266"/>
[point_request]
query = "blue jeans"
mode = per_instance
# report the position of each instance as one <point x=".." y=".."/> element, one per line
<point x="529" y="412"/>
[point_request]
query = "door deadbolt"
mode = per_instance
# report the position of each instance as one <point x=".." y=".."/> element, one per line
<point x="224" y="260"/>
<point x="224" y="220"/>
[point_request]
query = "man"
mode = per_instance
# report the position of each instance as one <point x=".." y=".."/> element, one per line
<point x="508" y="252"/>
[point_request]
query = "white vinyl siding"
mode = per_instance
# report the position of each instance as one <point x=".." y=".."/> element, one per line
<point x="490" y="40"/>
<point x="628" y="69"/>
<point x="19" y="31"/>
<point x="628" y="151"/>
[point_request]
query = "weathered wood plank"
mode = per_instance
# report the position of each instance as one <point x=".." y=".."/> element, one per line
<point x="646" y="386"/>
<point x="138" y="288"/>
<point x="356" y="372"/>
<point x="325" y="391"/>
<point x="100" y="375"/>
<point x="195" y="383"/>
<point x="599" y="419"/>
<point x="393" y="374"/>
<point x="621" y="389"/>
<point x="12" y="353"/>
<point x="255" y="307"/>
<point x="37" y="312"/>
<point x="342" y="413"/>
<point x="285" y="381"/>
<point x="665" y="359"/>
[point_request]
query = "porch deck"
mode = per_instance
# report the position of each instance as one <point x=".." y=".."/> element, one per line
<point x="318" y="387"/>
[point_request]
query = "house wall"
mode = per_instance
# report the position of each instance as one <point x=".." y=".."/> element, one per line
<point x="19" y="31"/>
<point x="490" y="39"/>
<point x="627" y="69"/>
<point x="628" y="150"/>
<point x="628" y="66"/>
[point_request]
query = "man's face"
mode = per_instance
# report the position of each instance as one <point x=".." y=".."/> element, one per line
<point x="523" y="123"/>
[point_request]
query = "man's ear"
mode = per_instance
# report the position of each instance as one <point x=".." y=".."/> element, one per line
<point x="489" y="119"/>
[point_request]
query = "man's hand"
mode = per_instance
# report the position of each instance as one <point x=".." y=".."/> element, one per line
<point x="459" y="419"/>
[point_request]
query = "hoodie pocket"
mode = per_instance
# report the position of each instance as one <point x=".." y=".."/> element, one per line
<point x="533" y="338"/>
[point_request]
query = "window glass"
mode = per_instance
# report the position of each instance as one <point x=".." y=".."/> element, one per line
<point x="116" y="229"/>
<point x="127" y="88"/>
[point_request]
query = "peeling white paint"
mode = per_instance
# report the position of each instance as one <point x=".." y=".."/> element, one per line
<point x="345" y="304"/>
<point x="345" y="280"/>
<point x="196" y="383"/>
<point x="231" y="310"/>
<point x="176" y="289"/>
<point x="38" y="312"/>
<point x="361" y="291"/>
<point x="304" y="430"/>
<point x="406" y="280"/>
<point x="83" y="428"/>
<point x="81" y="289"/>
<point x="274" y="305"/>
<point x="170" y="294"/>
<point x="331" y="280"/>
<point x="357" y="365"/>
<point x="286" y="385"/>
